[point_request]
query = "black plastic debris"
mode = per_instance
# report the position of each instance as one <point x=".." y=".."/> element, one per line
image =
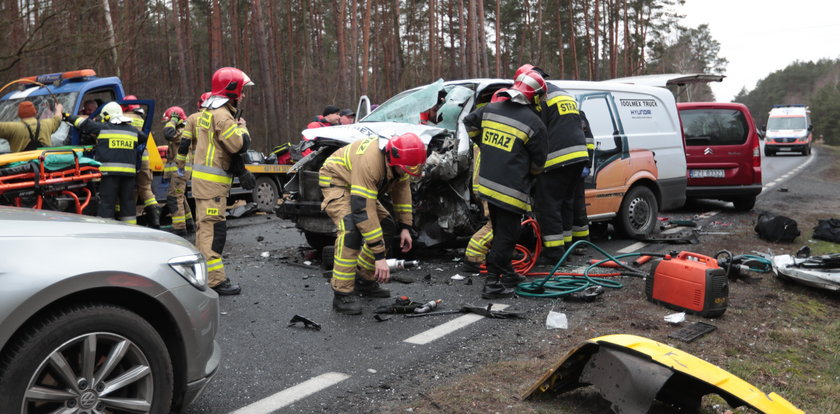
<point x="692" y="332"/>
<point x="244" y="211"/>
<point x="307" y="323"/>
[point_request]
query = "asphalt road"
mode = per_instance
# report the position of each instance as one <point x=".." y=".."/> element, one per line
<point x="353" y="363"/>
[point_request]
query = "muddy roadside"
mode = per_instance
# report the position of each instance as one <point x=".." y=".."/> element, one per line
<point x="778" y="336"/>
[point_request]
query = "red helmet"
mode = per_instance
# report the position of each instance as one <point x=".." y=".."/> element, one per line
<point x="527" y="68"/>
<point x="408" y="152"/>
<point x="203" y="98"/>
<point x="530" y="84"/>
<point x="175" y="111"/>
<point x="228" y="83"/>
<point x="500" y="96"/>
<point x="128" y="108"/>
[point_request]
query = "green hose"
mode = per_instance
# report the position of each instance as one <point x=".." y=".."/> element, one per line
<point x="557" y="286"/>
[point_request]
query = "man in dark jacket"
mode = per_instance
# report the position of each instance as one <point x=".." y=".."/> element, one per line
<point x="118" y="147"/>
<point x="512" y="141"/>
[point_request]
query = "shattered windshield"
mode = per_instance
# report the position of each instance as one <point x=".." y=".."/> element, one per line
<point x="786" y="122"/>
<point x="436" y="104"/>
<point x="9" y="108"/>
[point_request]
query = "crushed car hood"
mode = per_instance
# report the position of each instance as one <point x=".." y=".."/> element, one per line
<point x="385" y="130"/>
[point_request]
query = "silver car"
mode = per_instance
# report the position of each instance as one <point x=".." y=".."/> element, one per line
<point x="101" y="317"/>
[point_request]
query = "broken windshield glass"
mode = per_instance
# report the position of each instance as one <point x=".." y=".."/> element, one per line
<point x="407" y="106"/>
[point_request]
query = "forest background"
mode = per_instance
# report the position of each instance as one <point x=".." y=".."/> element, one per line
<point x="306" y="54"/>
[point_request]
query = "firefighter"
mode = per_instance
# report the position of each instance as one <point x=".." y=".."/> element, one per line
<point x="221" y="140"/>
<point x="118" y="147"/>
<point x="513" y="145"/>
<point x="479" y="244"/>
<point x="143" y="182"/>
<point x="575" y="219"/>
<point x="186" y="154"/>
<point x="31" y="132"/>
<point x="352" y="179"/>
<point x="567" y="155"/>
<point x="174" y="119"/>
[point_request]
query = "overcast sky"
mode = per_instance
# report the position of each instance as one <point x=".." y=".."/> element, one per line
<point x="762" y="36"/>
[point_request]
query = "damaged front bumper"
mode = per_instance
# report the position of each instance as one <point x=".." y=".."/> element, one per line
<point x="632" y="371"/>
<point x="809" y="271"/>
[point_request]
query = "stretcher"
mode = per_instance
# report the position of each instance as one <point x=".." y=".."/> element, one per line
<point x="48" y="179"/>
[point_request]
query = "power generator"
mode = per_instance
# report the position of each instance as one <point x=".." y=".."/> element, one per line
<point x="689" y="282"/>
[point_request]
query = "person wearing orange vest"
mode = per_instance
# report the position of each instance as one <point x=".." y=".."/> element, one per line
<point x="352" y="180"/>
<point x="221" y="140"/>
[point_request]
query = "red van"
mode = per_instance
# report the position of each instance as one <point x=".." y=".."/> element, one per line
<point x="721" y="152"/>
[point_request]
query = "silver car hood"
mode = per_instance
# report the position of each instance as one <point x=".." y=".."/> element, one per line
<point x="384" y="130"/>
<point x="26" y="222"/>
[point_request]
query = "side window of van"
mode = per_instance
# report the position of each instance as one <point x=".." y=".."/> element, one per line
<point x="601" y="120"/>
<point x="704" y="127"/>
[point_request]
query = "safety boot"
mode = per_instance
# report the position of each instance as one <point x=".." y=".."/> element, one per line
<point x="227" y="288"/>
<point x="153" y="211"/>
<point x="346" y="303"/>
<point x="470" y="267"/>
<point x="371" y="288"/>
<point x="550" y="257"/>
<point x="511" y="280"/>
<point x="494" y="289"/>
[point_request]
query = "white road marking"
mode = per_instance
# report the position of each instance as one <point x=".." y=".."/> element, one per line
<point x="442" y="330"/>
<point x="632" y="248"/>
<point x="293" y="394"/>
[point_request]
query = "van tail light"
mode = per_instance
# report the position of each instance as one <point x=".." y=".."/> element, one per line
<point x="756" y="154"/>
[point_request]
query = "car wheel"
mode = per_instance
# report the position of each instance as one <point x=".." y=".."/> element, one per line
<point x="265" y="194"/>
<point x="87" y="359"/>
<point x="319" y="240"/>
<point x="638" y="214"/>
<point x="744" y="203"/>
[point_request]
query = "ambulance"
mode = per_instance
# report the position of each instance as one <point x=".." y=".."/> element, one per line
<point x="788" y="130"/>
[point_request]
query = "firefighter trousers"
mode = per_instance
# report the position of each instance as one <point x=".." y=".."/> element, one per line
<point x="575" y="219"/>
<point x="481" y="240"/>
<point x="211" y="235"/>
<point x="552" y="189"/>
<point x="176" y="201"/>
<point x="506" y="226"/>
<point x="145" y="194"/>
<point x="352" y="256"/>
<point x="113" y="189"/>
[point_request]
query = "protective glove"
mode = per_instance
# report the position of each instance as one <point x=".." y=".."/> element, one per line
<point x="585" y="172"/>
<point x="247" y="180"/>
<point x="181" y="172"/>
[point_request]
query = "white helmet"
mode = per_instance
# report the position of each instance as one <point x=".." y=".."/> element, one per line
<point x="112" y="112"/>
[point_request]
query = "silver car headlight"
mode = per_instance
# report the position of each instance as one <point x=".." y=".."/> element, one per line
<point x="192" y="268"/>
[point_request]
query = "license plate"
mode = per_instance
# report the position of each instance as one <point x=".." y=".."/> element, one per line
<point x="717" y="173"/>
<point x="785" y="149"/>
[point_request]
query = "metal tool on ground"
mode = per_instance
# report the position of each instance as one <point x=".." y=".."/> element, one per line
<point x="307" y="323"/>
<point x="486" y="311"/>
<point x="402" y="304"/>
<point x="738" y="266"/>
<point x="399" y="264"/>
<point x="428" y="306"/>
<point x="689" y="282"/>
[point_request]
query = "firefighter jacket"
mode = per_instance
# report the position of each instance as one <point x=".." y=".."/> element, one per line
<point x="361" y="168"/>
<point x="29" y="133"/>
<point x="119" y="147"/>
<point x="186" y="145"/>
<point x="172" y="131"/>
<point x="587" y="132"/>
<point x="219" y="138"/>
<point x="137" y="120"/>
<point x="512" y="141"/>
<point x="566" y="142"/>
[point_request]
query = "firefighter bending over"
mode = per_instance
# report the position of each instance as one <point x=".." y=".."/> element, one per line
<point x="221" y="140"/>
<point x="352" y="180"/>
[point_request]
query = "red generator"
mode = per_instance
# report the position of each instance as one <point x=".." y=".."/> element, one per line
<point x="689" y="282"/>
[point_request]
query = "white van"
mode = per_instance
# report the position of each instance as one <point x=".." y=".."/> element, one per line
<point x="639" y="167"/>
<point x="788" y="130"/>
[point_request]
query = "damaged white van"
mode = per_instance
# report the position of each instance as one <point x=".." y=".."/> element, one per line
<point x="639" y="167"/>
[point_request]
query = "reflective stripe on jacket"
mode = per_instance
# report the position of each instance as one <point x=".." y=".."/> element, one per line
<point x="566" y="141"/>
<point x="512" y="141"/>
<point x="218" y="137"/>
<point x="116" y="145"/>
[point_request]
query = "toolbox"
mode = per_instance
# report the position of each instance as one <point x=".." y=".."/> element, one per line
<point x="689" y="282"/>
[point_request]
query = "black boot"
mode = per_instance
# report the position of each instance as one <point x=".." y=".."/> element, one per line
<point x="371" y="288"/>
<point x="346" y="303"/>
<point x="153" y="211"/>
<point x="550" y="257"/>
<point x="470" y="267"/>
<point x="494" y="289"/>
<point x="227" y="289"/>
<point x="510" y="280"/>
